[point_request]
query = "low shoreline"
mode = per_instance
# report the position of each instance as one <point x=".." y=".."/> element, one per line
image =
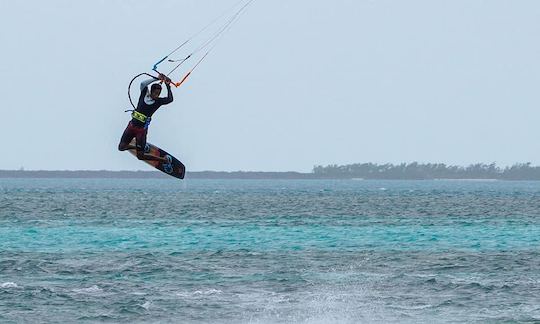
<point x="104" y="174"/>
<point x="216" y="175"/>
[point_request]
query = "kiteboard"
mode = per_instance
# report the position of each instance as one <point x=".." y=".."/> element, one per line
<point x="175" y="169"/>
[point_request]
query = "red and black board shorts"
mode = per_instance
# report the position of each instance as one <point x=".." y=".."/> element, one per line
<point x="139" y="133"/>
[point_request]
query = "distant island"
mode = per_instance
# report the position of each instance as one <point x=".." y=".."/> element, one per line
<point x="104" y="174"/>
<point x="368" y="171"/>
<point x="429" y="171"/>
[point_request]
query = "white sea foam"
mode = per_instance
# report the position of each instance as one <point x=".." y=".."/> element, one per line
<point x="90" y="290"/>
<point x="146" y="305"/>
<point x="199" y="293"/>
<point x="7" y="285"/>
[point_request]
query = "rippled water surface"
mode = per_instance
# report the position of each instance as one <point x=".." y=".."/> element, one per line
<point x="208" y="251"/>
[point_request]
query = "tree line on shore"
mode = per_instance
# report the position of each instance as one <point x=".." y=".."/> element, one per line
<point x="403" y="171"/>
<point x="415" y="170"/>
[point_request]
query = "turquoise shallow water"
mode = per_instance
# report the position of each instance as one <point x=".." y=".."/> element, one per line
<point x="207" y="251"/>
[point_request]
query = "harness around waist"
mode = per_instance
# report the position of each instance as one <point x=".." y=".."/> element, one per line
<point x="140" y="117"/>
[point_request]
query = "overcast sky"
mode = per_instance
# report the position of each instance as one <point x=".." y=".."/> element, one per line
<point x="295" y="83"/>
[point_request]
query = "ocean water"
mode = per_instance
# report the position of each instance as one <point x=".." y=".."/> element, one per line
<point x="272" y="251"/>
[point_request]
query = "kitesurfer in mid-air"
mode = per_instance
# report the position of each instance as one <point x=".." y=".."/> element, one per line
<point x="149" y="102"/>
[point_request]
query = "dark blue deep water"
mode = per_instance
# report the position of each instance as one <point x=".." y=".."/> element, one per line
<point x="207" y="251"/>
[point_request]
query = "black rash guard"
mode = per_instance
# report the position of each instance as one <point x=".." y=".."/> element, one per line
<point x="148" y="106"/>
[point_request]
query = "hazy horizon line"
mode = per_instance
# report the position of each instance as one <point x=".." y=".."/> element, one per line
<point x="288" y="171"/>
